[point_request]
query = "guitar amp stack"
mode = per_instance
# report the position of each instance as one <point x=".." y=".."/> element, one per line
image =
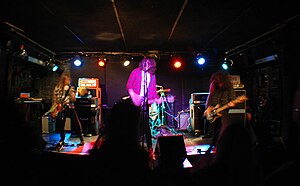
<point x="88" y="105"/>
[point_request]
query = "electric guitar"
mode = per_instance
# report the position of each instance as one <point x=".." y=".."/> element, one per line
<point x="212" y="113"/>
<point x="138" y="100"/>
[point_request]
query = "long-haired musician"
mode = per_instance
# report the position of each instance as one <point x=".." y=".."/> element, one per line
<point x="141" y="86"/>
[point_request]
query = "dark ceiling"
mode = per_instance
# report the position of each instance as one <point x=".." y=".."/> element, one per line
<point x="137" y="26"/>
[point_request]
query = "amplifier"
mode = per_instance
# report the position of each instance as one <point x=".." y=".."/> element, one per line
<point x="238" y="113"/>
<point x="48" y="125"/>
<point x="183" y="120"/>
<point x="198" y="123"/>
<point x="87" y="102"/>
<point x="199" y="98"/>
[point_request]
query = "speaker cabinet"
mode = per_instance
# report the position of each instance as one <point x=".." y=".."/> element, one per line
<point x="89" y="118"/>
<point x="198" y="122"/>
<point x="170" y="151"/>
<point x="183" y="120"/>
<point x="238" y="113"/>
<point x="48" y="125"/>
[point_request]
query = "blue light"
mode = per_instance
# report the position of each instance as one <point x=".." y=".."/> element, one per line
<point x="77" y="62"/>
<point x="200" y="60"/>
<point x="54" y="68"/>
<point x="225" y="66"/>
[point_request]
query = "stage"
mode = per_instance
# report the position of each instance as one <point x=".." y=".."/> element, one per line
<point x="194" y="144"/>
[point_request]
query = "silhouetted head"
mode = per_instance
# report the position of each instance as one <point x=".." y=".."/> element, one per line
<point x="123" y="120"/>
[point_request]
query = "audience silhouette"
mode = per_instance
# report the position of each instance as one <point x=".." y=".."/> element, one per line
<point x="117" y="153"/>
<point x="21" y="146"/>
<point x="233" y="162"/>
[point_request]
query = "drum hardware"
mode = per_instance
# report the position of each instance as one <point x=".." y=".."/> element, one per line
<point x="157" y="115"/>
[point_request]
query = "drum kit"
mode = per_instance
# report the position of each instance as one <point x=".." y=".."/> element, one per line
<point x="157" y="114"/>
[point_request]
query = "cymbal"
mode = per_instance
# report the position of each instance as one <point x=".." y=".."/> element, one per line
<point x="163" y="90"/>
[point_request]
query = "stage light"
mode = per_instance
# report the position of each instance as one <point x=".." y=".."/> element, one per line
<point x="102" y="61"/>
<point x="200" y="59"/>
<point x="78" y="62"/>
<point x="54" y="68"/>
<point x="57" y="69"/>
<point x="177" y="62"/>
<point x="227" y="63"/>
<point x="225" y="66"/>
<point x="126" y="60"/>
<point x="126" y="63"/>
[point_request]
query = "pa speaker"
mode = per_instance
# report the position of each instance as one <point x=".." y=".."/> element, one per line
<point x="170" y="151"/>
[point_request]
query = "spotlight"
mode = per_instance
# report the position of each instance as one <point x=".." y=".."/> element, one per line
<point x="225" y="66"/>
<point x="126" y="60"/>
<point x="54" y="68"/>
<point x="227" y="63"/>
<point x="77" y="61"/>
<point x="102" y="62"/>
<point x="126" y="63"/>
<point x="177" y="62"/>
<point x="200" y="59"/>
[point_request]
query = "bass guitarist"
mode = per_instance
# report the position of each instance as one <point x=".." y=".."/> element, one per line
<point x="63" y="102"/>
<point x="221" y="93"/>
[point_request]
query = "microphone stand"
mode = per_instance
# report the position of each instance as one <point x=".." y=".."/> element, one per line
<point x="145" y="108"/>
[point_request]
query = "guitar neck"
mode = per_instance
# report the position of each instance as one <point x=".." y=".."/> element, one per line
<point x="226" y="106"/>
<point x="222" y="108"/>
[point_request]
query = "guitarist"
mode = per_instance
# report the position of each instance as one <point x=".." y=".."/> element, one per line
<point x="220" y="93"/>
<point x="141" y="86"/>
<point x="63" y="99"/>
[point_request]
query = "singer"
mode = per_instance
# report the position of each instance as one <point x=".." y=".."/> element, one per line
<point x="141" y="86"/>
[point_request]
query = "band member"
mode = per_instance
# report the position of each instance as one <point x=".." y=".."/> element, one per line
<point x="63" y="99"/>
<point x="141" y="86"/>
<point x="220" y="93"/>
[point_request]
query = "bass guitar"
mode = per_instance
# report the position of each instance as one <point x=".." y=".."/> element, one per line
<point x="212" y="113"/>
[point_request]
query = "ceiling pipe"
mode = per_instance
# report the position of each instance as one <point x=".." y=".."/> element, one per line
<point x="177" y="19"/>
<point x="119" y="23"/>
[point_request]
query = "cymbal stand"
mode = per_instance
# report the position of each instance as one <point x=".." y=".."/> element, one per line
<point x="163" y="112"/>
